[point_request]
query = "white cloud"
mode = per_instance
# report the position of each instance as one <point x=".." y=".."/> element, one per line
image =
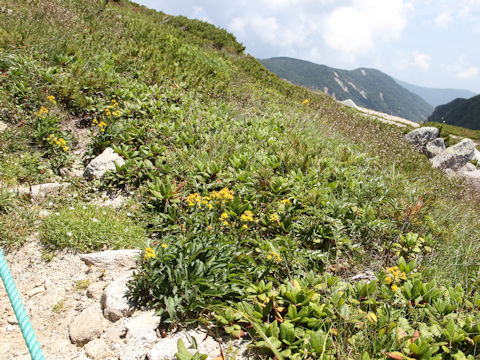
<point x="355" y="29"/>
<point x="468" y="73"/>
<point x="421" y="60"/>
<point x="444" y="18"/>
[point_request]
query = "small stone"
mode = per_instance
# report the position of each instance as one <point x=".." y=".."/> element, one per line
<point x="12" y="320"/>
<point x="86" y="326"/>
<point x="3" y="126"/>
<point x="97" y="349"/>
<point x="94" y="291"/>
<point x="140" y="336"/>
<point x="11" y="328"/>
<point x="115" y="303"/>
<point x="102" y="163"/>
<point x="35" y="291"/>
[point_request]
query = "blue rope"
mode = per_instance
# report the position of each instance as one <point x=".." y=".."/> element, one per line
<point x="22" y="317"/>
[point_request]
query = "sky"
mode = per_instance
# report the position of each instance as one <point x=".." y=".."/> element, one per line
<point x="424" y="42"/>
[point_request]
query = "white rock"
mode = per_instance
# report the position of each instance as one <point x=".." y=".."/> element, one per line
<point x="110" y="257"/>
<point x="95" y="290"/>
<point x="166" y="348"/>
<point x="87" y="326"/>
<point x="476" y="156"/>
<point x="422" y="136"/>
<point x="140" y="337"/>
<point x="41" y="191"/>
<point x="97" y="349"/>
<point x="36" y="291"/>
<point x="435" y="147"/>
<point x="103" y="163"/>
<point x="3" y="126"/>
<point x="114" y="299"/>
<point x="455" y="157"/>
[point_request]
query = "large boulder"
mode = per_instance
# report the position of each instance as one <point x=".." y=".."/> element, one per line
<point x="476" y="157"/>
<point x="455" y="157"/>
<point x="422" y="136"/>
<point x="435" y="147"/>
<point x="102" y="163"/>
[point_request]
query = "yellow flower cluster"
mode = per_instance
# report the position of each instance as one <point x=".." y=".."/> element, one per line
<point x="109" y="109"/>
<point x="285" y="202"/>
<point x="150" y="253"/>
<point x="247" y="216"/>
<point x="274" y="217"/>
<point x="196" y="199"/>
<point x="42" y="112"/>
<point x="60" y="142"/>
<point x="305" y="102"/>
<point x="394" y="276"/>
<point x="101" y="125"/>
<point x="51" y="98"/>
<point x="274" y="256"/>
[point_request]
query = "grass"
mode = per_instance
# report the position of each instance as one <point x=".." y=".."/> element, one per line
<point x="237" y="181"/>
<point x="89" y="227"/>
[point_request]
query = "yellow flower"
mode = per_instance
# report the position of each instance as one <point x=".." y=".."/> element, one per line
<point x="149" y="253"/>
<point x="245" y="226"/>
<point x="224" y="216"/>
<point x="210" y="206"/>
<point x="388" y="280"/>
<point x="51" y="99"/>
<point x="286" y="202"/>
<point x="164" y="245"/>
<point x="305" y="102"/>
<point x="209" y="227"/>
<point x="274" y="217"/>
<point x="225" y="223"/>
<point x="94" y="121"/>
<point x="247" y="216"/>
<point x="394" y="287"/>
<point x="65" y="148"/>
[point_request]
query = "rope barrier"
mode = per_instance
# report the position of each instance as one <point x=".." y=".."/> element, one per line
<point x="22" y="317"/>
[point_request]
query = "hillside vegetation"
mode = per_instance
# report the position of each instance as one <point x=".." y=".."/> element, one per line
<point x="435" y="96"/>
<point x="459" y="112"/>
<point x="368" y="88"/>
<point x="254" y="201"/>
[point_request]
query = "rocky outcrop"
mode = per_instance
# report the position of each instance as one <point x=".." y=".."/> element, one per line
<point x="455" y="157"/>
<point x="421" y="136"/>
<point x="435" y="147"/>
<point x="102" y="163"/>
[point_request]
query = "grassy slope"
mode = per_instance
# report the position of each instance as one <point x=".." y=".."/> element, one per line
<point x="396" y="99"/>
<point x="197" y="115"/>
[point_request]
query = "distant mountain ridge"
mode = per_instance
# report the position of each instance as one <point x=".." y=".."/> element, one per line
<point x="369" y="88"/>
<point x="459" y="112"/>
<point x="435" y="96"/>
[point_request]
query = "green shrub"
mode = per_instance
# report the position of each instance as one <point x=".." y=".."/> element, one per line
<point x="89" y="227"/>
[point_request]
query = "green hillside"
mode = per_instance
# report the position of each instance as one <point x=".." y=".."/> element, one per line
<point x="435" y="96"/>
<point x="254" y="201"/>
<point x="368" y="88"/>
<point x="459" y="112"/>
